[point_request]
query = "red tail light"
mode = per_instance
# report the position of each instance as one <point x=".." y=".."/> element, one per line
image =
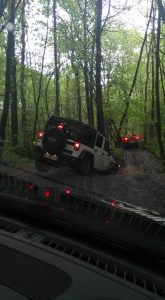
<point x="60" y="126"/>
<point x="113" y="203"/>
<point x="125" y="139"/>
<point x="40" y="134"/>
<point x="68" y="191"/>
<point x="137" y="137"/>
<point x="76" y="146"/>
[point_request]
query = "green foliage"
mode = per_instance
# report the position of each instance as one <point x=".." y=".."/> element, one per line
<point x="16" y="157"/>
<point x="118" y="153"/>
<point x="120" y="52"/>
<point x="153" y="146"/>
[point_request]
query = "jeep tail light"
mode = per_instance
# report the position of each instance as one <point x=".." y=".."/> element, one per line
<point x="68" y="192"/>
<point x="113" y="203"/>
<point x="40" y="134"/>
<point x="60" y="126"/>
<point x="125" y="139"/>
<point x="76" y="146"/>
<point x="137" y="137"/>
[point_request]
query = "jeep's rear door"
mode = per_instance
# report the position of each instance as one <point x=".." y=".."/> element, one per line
<point x="99" y="152"/>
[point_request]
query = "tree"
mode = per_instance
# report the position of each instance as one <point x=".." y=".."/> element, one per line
<point x="9" y="62"/>
<point x="100" y="114"/>
<point x="56" y="66"/>
<point x="22" y="76"/>
<point x="158" y="114"/>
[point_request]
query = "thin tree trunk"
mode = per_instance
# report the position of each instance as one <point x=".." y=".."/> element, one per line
<point x="67" y="106"/>
<point x="146" y="93"/>
<point x="162" y="81"/>
<point x="56" y="78"/>
<point x="91" y="79"/>
<point x="46" y="94"/>
<point x="9" y="58"/>
<point x="161" y="10"/>
<point x="85" y="65"/>
<point x="158" y="114"/>
<point x="136" y="72"/>
<point x="41" y="76"/>
<point x="22" y="77"/>
<point x="152" y="131"/>
<point x="14" y="113"/>
<point x="75" y="68"/>
<point x="77" y="78"/>
<point x="99" y="105"/>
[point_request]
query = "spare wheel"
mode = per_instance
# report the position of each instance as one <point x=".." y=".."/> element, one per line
<point x="54" y="140"/>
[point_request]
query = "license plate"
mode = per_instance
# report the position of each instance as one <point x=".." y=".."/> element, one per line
<point x="49" y="156"/>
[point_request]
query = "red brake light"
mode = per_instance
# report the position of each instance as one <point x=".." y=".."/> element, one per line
<point x="60" y="126"/>
<point x="113" y="203"/>
<point x="40" y="134"/>
<point x="125" y="139"/>
<point x="68" y="191"/>
<point x="76" y="146"/>
<point x="48" y="192"/>
<point x="137" y="137"/>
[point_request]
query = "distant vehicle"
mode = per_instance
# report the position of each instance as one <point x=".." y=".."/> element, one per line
<point x="69" y="142"/>
<point x="130" y="140"/>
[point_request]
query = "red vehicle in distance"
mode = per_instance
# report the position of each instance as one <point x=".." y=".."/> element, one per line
<point x="130" y="140"/>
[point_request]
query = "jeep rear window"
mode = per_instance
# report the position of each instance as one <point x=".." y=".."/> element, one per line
<point x="75" y="130"/>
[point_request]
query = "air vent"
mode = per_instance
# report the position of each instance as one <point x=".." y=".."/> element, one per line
<point x="8" y="227"/>
<point x="101" y="264"/>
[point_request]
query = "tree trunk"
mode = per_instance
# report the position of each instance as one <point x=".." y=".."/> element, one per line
<point x="77" y="79"/>
<point x="41" y="77"/>
<point x="9" y="59"/>
<point x="158" y="114"/>
<point x="148" y="51"/>
<point x="162" y="82"/>
<point x="22" y="77"/>
<point x="136" y="72"/>
<point x="14" y="113"/>
<point x="91" y="79"/>
<point x="56" y="78"/>
<point x="152" y="127"/>
<point x="85" y="65"/>
<point x="99" y="105"/>
<point x="67" y="106"/>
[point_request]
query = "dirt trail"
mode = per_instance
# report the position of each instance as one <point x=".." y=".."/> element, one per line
<point x="138" y="182"/>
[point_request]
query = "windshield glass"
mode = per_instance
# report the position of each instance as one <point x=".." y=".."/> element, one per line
<point x="82" y="99"/>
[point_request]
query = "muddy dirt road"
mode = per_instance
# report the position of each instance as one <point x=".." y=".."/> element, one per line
<point x="138" y="182"/>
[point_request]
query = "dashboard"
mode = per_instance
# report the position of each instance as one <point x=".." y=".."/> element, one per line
<point x="45" y="265"/>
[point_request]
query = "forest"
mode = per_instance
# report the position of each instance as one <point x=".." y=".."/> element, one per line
<point x="78" y="59"/>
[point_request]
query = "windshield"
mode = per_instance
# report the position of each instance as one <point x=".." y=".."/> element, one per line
<point x="82" y="99"/>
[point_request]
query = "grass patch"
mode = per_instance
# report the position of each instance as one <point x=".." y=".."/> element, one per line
<point x="153" y="146"/>
<point x="15" y="156"/>
<point x="118" y="153"/>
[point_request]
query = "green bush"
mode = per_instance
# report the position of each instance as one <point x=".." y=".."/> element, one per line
<point x="118" y="153"/>
<point x="153" y="146"/>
